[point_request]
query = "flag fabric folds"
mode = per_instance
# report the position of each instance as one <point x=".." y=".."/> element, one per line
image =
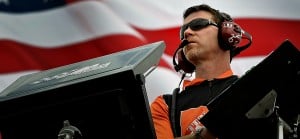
<point x="37" y="35"/>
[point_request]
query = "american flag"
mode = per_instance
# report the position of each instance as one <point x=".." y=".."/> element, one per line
<point x="36" y="35"/>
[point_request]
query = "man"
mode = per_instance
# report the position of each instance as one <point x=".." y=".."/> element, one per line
<point x="206" y="51"/>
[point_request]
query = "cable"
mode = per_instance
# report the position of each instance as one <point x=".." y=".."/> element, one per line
<point x="173" y="106"/>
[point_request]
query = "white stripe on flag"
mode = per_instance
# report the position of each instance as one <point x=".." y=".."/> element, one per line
<point x="74" y="23"/>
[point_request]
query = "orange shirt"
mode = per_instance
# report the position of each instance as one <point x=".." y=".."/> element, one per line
<point x="160" y="112"/>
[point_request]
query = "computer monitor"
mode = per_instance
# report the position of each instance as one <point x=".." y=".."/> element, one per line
<point x="104" y="97"/>
<point x="249" y="108"/>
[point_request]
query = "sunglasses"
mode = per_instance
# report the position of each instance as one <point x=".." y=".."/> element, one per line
<point x="195" y="25"/>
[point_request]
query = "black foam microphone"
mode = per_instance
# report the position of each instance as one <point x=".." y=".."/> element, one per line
<point x="182" y="44"/>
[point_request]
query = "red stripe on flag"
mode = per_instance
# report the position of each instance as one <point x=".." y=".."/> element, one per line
<point x="18" y="56"/>
<point x="267" y="35"/>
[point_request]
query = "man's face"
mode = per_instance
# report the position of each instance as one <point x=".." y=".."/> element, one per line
<point x="203" y="41"/>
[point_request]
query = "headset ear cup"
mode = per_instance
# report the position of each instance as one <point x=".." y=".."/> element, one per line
<point x="231" y="35"/>
<point x="183" y="63"/>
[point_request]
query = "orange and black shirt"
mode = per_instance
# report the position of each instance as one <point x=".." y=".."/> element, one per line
<point x="190" y="104"/>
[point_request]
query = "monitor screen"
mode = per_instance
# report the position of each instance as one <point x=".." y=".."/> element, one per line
<point x="97" y="101"/>
<point x="98" y="112"/>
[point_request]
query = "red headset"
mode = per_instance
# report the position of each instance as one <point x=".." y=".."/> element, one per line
<point x="230" y="36"/>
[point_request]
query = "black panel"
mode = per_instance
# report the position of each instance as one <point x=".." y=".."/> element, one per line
<point x="280" y="72"/>
<point x="101" y="100"/>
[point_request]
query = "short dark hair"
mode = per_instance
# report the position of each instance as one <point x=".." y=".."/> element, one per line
<point x="218" y="16"/>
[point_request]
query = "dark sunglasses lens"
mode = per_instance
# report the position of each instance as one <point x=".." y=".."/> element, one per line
<point x="196" y="24"/>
